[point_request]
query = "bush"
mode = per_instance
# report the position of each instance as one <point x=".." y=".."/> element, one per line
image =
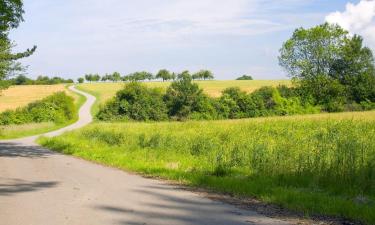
<point x="57" y="108"/>
<point x="135" y="102"/>
<point x="185" y="99"/>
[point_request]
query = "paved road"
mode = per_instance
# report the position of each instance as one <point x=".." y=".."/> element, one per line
<point x="40" y="187"/>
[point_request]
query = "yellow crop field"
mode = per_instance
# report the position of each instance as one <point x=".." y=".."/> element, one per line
<point x="18" y="96"/>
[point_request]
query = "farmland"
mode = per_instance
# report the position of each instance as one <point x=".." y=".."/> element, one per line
<point x="316" y="164"/>
<point x="19" y="96"/>
<point x="104" y="91"/>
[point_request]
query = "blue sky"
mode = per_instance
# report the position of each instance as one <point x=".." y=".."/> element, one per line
<point x="229" y="37"/>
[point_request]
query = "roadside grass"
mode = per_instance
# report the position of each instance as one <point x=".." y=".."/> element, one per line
<point x="316" y="164"/>
<point x="24" y="130"/>
<point x="105" y="91"/>
<point x="21" y="95"/>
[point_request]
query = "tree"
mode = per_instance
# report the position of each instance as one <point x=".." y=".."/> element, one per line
<point x="81" y="80"/>
<point x="184" y="98"/>
<point x="116" y="76"/>
<point x="185" y="75"/>
<point x="96" y="77"/>
<point x="327" y="58"/>
<point x="203" y="74"/>
<point x="164" y="75"/>
<point x="10" y="16"/>
<point x="88" y="77"/>
<point x="245" y="77"/>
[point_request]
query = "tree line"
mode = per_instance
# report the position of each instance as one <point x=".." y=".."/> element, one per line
<point x="163" y="74"/>
<point x="40" y="80"/>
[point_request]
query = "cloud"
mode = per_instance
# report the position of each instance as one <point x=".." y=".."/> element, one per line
<point x="357" y="18"/>
<point x="76" y="37"/>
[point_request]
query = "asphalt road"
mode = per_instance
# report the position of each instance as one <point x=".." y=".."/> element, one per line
<point x="40" y="187"/>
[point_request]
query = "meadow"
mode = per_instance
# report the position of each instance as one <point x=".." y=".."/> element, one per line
<point x="319" y="164"/>
<point x="19" y="96"/>
<point x="105" y="91"/>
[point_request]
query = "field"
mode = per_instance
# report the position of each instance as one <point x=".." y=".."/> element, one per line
<point x="316" y="164"/>
<point x="104" y="91"/>
<point x="18" y="96"/>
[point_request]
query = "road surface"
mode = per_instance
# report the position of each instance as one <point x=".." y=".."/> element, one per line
<point x="40" y="187"/>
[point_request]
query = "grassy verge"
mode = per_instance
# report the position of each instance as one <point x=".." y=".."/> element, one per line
<point x="315" y="164"/>
<point x="19" y="131"/>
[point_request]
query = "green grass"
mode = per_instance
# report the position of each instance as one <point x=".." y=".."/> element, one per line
<point x="317" y="164"/>
<point x="24" y="130"/>
<point x="104" y="91"/>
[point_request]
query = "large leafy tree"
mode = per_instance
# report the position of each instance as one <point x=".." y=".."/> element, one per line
<point x="329" y="64"/>
<point x="10" y="16"/>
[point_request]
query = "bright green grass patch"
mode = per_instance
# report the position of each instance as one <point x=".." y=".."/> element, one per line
<point x="105" y="91"/>
<point x="317" y="164"/>
<point x="24" y="130"/>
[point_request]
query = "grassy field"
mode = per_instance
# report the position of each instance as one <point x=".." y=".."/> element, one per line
<point x="18" y="94"/>
<point x="316" y="164"/>
<point x="104" y="91"/>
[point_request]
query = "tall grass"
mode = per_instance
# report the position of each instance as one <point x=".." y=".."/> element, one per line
<point x="315" y="164"/>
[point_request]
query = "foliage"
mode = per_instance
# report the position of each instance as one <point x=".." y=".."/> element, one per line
<point x="92" y="77"/>
<point x="41" y="80"/>
<point x="164" y="75"/>
<point x="298" y="162"/>
<point x="329" y="65"/>
<point x="135" y="102"/>
<point x="183" y="98"/>
<point x="81" y="80"/>
<point x="10" y="16"/>
<point x="245" y="77"/>
<point x="57" y="108"/>
<point x="203" y="75"/>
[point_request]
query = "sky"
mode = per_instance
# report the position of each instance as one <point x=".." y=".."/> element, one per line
<point x="228" y="37"/>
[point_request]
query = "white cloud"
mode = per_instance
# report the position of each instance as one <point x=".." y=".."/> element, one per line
<point x="357" y="18"/>
<point x="80" y="36"/>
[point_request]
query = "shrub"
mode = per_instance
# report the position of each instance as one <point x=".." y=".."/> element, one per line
<point x="185" y="99"/>
<point x="57" y="108"/>
<point x="135" y="102"/>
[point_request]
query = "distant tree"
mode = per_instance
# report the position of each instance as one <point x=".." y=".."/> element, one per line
<point x="185" y="75"/>
<point x="173" y="76"/>
<point x="116" y="76"/>
<point x="203" y="74"/>
<point x="21" y="80"/>
<point x="245" y="77"/>
<point x="164" y="75"/>
<point x="105" y="78"/>
<point x="126" y="78"/>
<point x="96" y="77"/>
<point x="81" y="80"/>
<point x="196" y="76"/>
<point x="88" y="77"/>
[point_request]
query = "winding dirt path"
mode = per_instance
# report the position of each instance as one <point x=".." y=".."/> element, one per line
<point x="40" y="187"/>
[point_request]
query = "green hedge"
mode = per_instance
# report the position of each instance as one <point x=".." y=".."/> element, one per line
<point x="57" y="108"/>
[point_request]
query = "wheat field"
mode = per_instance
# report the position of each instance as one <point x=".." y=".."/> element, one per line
<point x="18" y="96"/>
